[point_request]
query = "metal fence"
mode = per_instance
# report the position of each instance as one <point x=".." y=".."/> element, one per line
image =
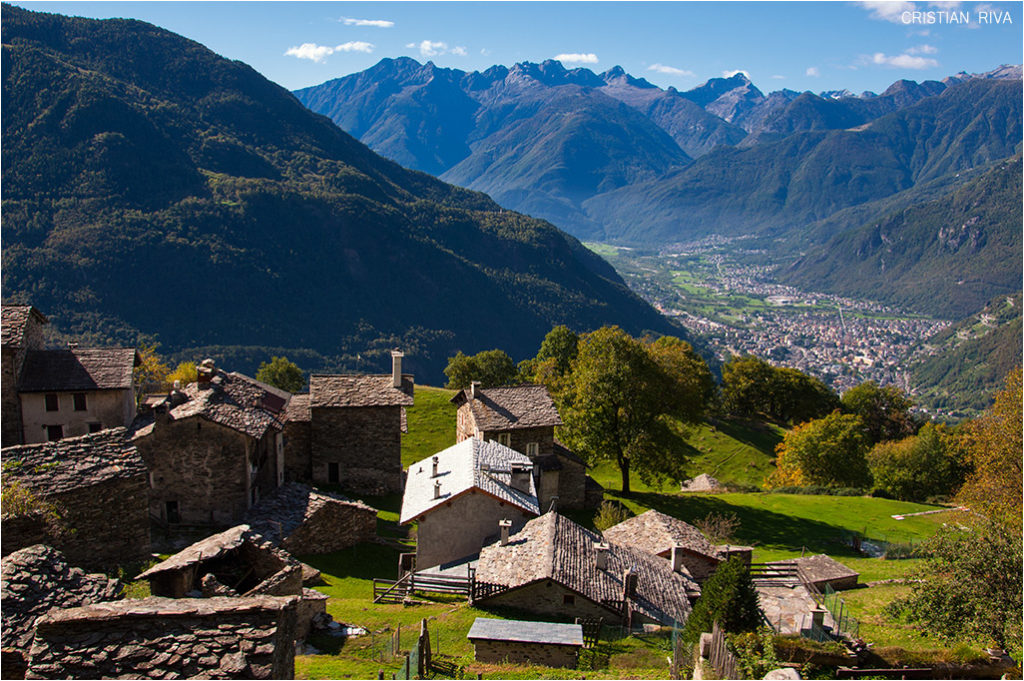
<point x="846" y="624"/>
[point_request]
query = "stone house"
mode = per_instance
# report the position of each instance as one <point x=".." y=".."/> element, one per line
<point x="348" y="430"/>
<point x="36" y="579"/>
<point x="21" y="330"/>
<point x="518" y="641"/>
<point x="213" y="448"/>
<point x="222" y="638"/>
<point x="524" y="418"/>
<point x="458" y="497"/>
<point x="822" y="570"/>
<point x="554" y="567"/>
<point x="683" y="544"/>
<point x="89" y="480"/>
<point x="305" y="521"/>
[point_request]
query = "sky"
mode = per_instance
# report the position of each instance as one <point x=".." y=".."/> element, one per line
<point x="801" y="46"/>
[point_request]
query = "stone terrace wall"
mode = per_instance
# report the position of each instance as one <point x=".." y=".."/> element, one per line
<point x="217" y="638"/>
<point x="365" y="442"/>
<point x="105" y="525"/>
<point x="548" y="654"/>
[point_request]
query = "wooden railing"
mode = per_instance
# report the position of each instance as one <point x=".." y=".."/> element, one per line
<point x="411" y="583"/>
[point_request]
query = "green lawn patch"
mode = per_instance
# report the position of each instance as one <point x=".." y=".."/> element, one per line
<point x="431" y="424"/>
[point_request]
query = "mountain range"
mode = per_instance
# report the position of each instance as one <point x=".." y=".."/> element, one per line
<point x="154" y="189"/>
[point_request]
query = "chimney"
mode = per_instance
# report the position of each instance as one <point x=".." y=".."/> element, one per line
<point x="205" y="372"/>
<point x="504" y="525"/>
<point x="434" y="473"/>
<point x="522" y="473"/>
<point x="474" y="388"/>
<point x="677" y="559"/>
<point x="437" y="489"/>
<point x="396" y="368"/>
<point x="601" y="555"/>
<point x="629" y="582"/>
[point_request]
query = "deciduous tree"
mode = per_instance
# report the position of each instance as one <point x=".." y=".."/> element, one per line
<point x="281" y="373"/>
<point x="925" y="465"/>
<point x="491" y="367"/>
<point x="829" y="452"/>
<point x="885" y="411"/>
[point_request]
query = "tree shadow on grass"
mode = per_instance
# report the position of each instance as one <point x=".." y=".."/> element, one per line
<point x="755" y="434"/>
<point x="758" y="527"/>
<point x="362" y="561"/>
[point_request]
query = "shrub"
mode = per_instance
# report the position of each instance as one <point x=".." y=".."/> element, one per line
<point x="720" y="528"/>
<point x="727" y="597"/>
<point x="610" y="513"/>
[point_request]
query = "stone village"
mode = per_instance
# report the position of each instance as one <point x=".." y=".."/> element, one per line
<point x="240" y="464"/>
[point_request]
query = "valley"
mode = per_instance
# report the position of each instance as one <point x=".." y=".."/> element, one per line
<point x="723" y="290"/>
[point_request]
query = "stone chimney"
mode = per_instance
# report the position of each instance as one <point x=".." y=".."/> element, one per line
<point x="629" y="582"/>
<point x="434" y="461"/>
<point x="521" y="475"/>
<point x="677" y="559"/>
<point x="396" y="368"/>
<point x="601" y="555"/>
<point x="437" y="489"/>
<point x="205" y="372"/>
<point x="474" y="389"/>
<point x="504" y="525"/>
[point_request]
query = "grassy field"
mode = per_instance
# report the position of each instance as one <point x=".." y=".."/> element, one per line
<point x="431" y="423"/>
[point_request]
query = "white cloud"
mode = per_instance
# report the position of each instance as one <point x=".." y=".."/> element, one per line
<point x="903" y="61"/>
<point x="778" y="77"/>
<point x="378" y="23"/>
<point x="669" y="70"/>
<point x="813" y="71"/>
<point x="730" y="74"/>
<point x="887" y="10"/>
<point x="435" y="48"/>
<point x="923" y="49"/>
<point x="485" y="52"/>
<point x="319" y="53"/>
<point x="577" y="58"/>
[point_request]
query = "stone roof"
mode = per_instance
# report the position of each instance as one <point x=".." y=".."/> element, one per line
<point x="232" y="400"/>
<point x="553" y="547"/>
<point x="297" y="410"/>
<point x="508" y="408"/>
<point x="276" y="516"/>
<point x="14" y="321"/>
<point x="213" y="547"/>
<point x="38" y="578"/>
<point x="470" y="464"/>
<point x="359" y="390"/>
<point x="218" y="637"/>
<point x="78" y="369"/>
<point x="820" y="568"/>
<point x="524" y="631"/>
<point x="73" y="463"/>
<point x="655" y="533"/>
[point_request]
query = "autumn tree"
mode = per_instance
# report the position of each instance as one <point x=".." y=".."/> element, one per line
<point x="492" y="368"/>
<point x="185" y="372"/>
<point x="618" y="405"/>
<point x="885" y="411"/>
<point x="829" y="452"/>
<point x="150" y="374"/>
<point x="281" y="373"/>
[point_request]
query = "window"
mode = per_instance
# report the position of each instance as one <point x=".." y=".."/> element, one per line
<point x="79" y="400"/>
<point x="504" y="439"/>
<point x="95" y="427"/>
<point x="532" y="449"/>
<point x="172" y="512"/>
<point x="332" y="473"/>
<point x="568" y="599"/>
<point x="54" y="433"/>
<point x="51" y="402"/>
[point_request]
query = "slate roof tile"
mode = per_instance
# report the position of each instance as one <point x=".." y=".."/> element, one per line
<point x="13" y="322"/>
<point x="654" y="532"/>
<point x="78" y="369"/>
<point x="508" y="408"/>
<point x="359" y="390"/>
<point x="525" y="631"/>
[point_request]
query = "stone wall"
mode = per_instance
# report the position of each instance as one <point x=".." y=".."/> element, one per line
<point x="457" y="528"/>
<point x="365" y="442"/>
<point x="547" y="654"/>
<point x="298" y="464"/>
<point x="200" y="465"/>
<point x="547" y="597"/>
<point x="697" y="564"/>
<point x="520" y="437"/>
<point x="101" y="526"/>
<point x="242" y="638"/>
<point x="331" y="528"/>
<point x="10" y="407"/>
<point x="109" y="408"/>
<point x="572" y="484"/>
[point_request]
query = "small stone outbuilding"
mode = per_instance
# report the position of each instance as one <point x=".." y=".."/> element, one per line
<point x="348" y="430"/>
<point x="555" y="567"/>
<point x="36" y="579"/>
<point x="236" y="562"/>
<point x="458" y="497"/>
<point x="157" y="638"/>
<point x="822" y="570"/>
<point x="21" y="330"/>
<point x="675" y="540"/>
<point x="98" y="487"/>
<point x="305" y="521"/>
<point x="214" y="448"/>
<point x="544" y="643"/>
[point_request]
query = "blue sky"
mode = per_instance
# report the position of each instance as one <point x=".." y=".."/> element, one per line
<point x="798" y="45"/>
